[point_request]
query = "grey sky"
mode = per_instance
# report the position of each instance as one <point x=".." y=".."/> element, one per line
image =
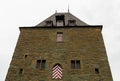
<point x="16" y="13"/>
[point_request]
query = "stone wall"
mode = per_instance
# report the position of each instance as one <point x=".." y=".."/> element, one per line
<point x="79" y="43"/>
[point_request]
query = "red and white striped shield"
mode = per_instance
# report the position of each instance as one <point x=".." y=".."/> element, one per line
<point x="57" y="72"/>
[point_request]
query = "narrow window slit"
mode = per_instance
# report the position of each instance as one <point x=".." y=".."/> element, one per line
<point x="26" y="56"/>
<point x="72" y="64"/>
<point x="20" y="71"/>
<point x="78" y="64"/>
<point x="43" y="64"/>
<point x="38" y="65"/>
<point x="96" y="71"/>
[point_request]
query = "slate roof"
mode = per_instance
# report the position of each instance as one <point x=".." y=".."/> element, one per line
<point x="67" y="16"/>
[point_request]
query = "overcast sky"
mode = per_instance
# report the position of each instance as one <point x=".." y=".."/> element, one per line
<point x="17" y="13"/>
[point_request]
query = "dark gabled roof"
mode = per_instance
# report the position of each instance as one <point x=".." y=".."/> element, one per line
<point x="67" y="16"/>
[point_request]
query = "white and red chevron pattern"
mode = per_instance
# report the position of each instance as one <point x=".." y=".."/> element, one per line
<point x="57" y="72"/>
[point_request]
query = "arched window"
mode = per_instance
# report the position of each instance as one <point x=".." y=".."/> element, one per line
<point x="57" y="72"/>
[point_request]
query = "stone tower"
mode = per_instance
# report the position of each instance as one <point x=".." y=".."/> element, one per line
<point x="61" y="48"/>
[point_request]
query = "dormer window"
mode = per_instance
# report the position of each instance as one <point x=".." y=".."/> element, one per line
<point x="49" y="23"/>
<point x="71" y="22"/>
<point x="60" y="20"/>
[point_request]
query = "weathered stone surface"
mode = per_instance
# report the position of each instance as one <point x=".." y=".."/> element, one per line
<point x="81" y="42"/>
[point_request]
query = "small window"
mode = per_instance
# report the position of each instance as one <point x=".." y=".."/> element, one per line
<point x="49" y="23"/>
<point x="60" y="20"/>
<point x="38" y="65"/>
<point x="72" y="64"/>
<point x="59" y="36"/>
<point x="26" y="56"/>
<point x="20" y="71"/>
<point x="41" y="64"/>
<point x="75" y="64"/>
<point x="71" y="22"/>
<point x="96" y="71"/>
